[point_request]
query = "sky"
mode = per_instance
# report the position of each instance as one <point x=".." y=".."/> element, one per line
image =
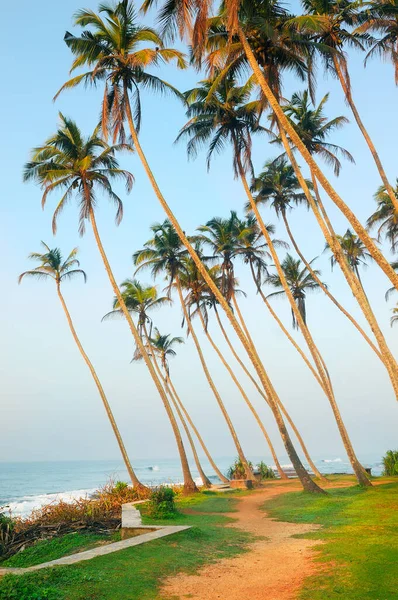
<point x="49" y="406"/>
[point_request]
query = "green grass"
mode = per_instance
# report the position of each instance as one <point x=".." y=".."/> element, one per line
<point x="359" y="555"/>
<point x="46" y="550"/>
<point x="137" y="573"/>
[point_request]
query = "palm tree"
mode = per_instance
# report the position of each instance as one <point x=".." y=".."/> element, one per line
<point x="382" y="18"/>
<point x="140" y="300"/>
<point x="213" y="120"/>
<point x="278" y="187"/>
<point x="300" y="281"/>
<point x="247" y="16"/>
<point x="164" y="252"/>
<point x="355" y="253"/>
<point x="70" y="163"/>
<point x="53" y="266"/>
<point x="90" y="50"/>
<point x="311" y="126"/>
<point x="330" y="22"/>
<point x="385" y="217"/>
<point x="197" y="299"/>
<point x="162" y="347"/>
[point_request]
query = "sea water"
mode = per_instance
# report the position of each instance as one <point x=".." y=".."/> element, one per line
<point x="25" y="486"/>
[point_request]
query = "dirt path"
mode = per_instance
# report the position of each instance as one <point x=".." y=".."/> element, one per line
<point x="273" y="569"/>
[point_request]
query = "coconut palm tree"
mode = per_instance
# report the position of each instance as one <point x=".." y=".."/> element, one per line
<point x="382" y="18"/>
<point x="165" y="252"/>
<point x="331" y="23"/>
<point x="53" y="266"/>
<point x="140" y="300"/>
<point x="385" y="217"/>
<point x="73" y="165"/>
<point x="278" y="187"/>
<point x="355" y="252"/>
<point x="311" y="126"/>
<point x="89" y="50"/>
<point x="197" y="299"/>
<point x="300" y="282"/>
<point x="162" y="346"/>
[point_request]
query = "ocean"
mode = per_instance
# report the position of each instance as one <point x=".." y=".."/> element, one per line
<point x="25" y="486"/>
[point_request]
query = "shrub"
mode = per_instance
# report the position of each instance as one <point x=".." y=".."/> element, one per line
<point x="161" y="504"/>
<point x="237" y="470"/>
<point x="265" y="472"/>
<point x="7" y="526"/>
<point x="390" y="463"/>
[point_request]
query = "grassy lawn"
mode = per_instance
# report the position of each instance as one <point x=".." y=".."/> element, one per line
<point x="46" y="550"/>
<point x="359" y="555"/>
<point x="137" y="573"/>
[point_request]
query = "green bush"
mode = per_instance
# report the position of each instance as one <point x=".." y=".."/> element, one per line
<point x="237" y="470"/>
<point x="7" y="526"/>
<point x="390" y="463"/>
<point x="265" y="471"/>
<point x="161" y="504"/>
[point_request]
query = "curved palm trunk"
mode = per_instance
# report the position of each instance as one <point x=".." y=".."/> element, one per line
<point x="346" y="85"/>
<point x="304" y="477"/>
<point x="234" y="435"/>
<point x="331" y="239"/>
<point x="281" y="406"/>
<point x="255" y="414"/>
<point x="189" y="484"/>
<point x="134" y="479"/>
<point x="196" y="432"/>
<point x="334" y="196"/>
<point x="362" y="479"/>
<point x="283" y="328"/>
<point x="205" y="481"/>
<point x="326" y="291"/>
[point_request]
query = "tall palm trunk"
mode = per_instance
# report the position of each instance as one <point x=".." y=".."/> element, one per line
<point x="345" y="83"/>
<point x="206" y="482"/>
<point x="255" y="414"/>
<point x="234" y="435"/>
<point x="189" y="484"/>
<point x="305" y="479"/>
<point x="196" y="432"/>
<point x="260" y="391"/>
<point x="134" y="479"/>
<point x="325" y="289"/>
<point x="287" y="126"/>
<point x="332" y="240"/>
<point x="361" y="477"/>
<point x="283" y="328"/>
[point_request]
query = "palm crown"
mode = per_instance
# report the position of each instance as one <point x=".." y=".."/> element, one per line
<point x="278" y="186"/>
<point x="354" y="251"/>
<point x="300" y="281"/>
<point x="53" y="266"/>
<point x="228" y="115"/>
<point x="385" y="217"/>
<point x="163" y="346"/>
<point x="139" y="300"/>
<point x="314" y="128"/>
<point x="70" y="163"/>
<point x="112" y="46"/>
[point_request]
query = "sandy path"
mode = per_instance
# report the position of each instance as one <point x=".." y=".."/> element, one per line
<point x="273" y="569"/>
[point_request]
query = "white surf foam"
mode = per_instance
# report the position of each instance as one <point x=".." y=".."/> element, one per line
<point x="25" y="505"/>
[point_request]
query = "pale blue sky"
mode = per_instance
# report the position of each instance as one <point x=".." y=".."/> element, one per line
<point x="49" y="405"/>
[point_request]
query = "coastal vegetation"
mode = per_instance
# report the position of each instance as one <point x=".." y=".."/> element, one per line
<point x="242" y="51"/>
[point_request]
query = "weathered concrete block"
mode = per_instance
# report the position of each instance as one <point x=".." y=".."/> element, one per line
<point x="241" y="484"/>
<point x="131" y="517"/>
